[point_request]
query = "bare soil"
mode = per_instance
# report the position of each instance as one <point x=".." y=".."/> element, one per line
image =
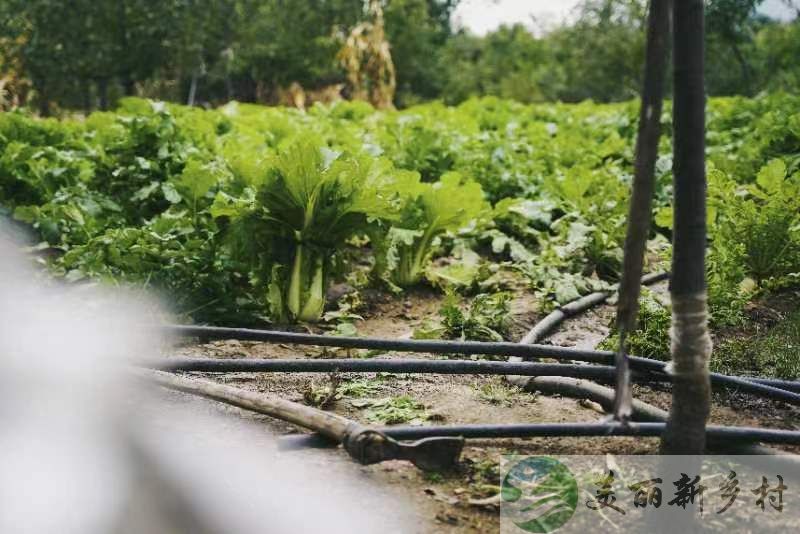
<point x="451" y="502"/>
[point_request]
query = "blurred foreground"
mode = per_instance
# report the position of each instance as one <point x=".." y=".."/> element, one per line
<point x="84" y="449"/>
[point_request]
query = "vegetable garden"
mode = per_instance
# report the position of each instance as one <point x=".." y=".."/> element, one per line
<point x="437" y="223"/>
<point x="524" y="254"/>
<point x="247" y="215"/>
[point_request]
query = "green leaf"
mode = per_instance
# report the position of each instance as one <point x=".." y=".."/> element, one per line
<point x="26" y="214"/>
<point x="770" y="177"/>
<point x="664" y="217"/>
<point x="429" y="329"/>
<point x="75" y="214"/>
<point x="170" y="193"/>
<point x="225" y="205"/>
<point x="462" y="273"/>
<point x="345" y="330"/>
<point x="452" y="202"/>
<point x="145" y="192"/>
<point x="538" y="212"/>
<point x="198" y="178"/>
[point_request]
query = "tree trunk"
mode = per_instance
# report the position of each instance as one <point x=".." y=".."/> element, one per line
<point x="102" y="92"/>
<point x="192" y="89"/>
<point x="229" y="94"/>
<point x="128" y="85"/>
<point x="691" y="344"/>
<point x="737" y="53"/>
<point x="126" y="77"/>
<point x="42" y="97"/>
<point x="640" y="212"/>
<point x="86" y="95"/>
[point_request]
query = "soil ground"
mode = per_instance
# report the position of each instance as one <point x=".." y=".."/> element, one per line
<point x="460" y="501"/>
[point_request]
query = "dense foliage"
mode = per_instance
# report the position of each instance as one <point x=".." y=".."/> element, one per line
<point x="247" y="213"/>
<point x="84" y="55"/>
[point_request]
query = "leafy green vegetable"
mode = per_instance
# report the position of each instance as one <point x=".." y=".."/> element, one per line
<point x="309" y="202"/>
<point x="755" y="236"/>
<point x="463" y="271"/>
<point x="430" y="210"/>
<point x="486" y="318"/>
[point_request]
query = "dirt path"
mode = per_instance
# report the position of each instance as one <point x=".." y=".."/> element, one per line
<point x="445" y="502"/>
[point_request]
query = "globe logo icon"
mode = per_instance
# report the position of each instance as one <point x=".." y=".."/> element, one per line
<point x="539" y="494"/>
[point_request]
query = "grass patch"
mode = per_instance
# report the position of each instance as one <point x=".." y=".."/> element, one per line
<point x="651" y="337"/>
<point x="775" y="353"/>
<point x="486" y="318"/>
<point x="433" y="477"/>
<point x="498" y="393"/>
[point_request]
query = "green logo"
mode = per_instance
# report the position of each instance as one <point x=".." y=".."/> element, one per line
<point x="539" y="494"/>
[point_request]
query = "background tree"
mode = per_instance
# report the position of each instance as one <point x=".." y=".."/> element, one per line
<point x="777" y="47"/>
<point x="417" y="31"/>
<point x="730" y="28"/>
<point x="602" y="54"/>
<point x="83" y="55"/>
<point x="286" y="41"/>
<point x="599" y="56"/>
<point x="510" y="63"/>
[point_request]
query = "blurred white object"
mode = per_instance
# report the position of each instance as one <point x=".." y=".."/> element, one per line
<point x="84" y="450"/>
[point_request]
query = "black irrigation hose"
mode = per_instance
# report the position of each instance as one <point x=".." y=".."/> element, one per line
<point x="788" y="385"/>
<point x="654" y="370"/>
<point x="574" y="307"/>
<point x="786" y="437"/>
<point x="731" y="382"/>
<point x="544" y="327"/>
<point x="468" y="348"/>
<point x="352" y="365"/>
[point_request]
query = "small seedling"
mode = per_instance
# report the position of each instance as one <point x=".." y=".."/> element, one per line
<point x="322" y="395"/>
<point x="496" y="392"/>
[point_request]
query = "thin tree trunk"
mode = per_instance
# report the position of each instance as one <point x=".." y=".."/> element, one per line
<point x="192" y="89"/>
<point x="43" y="97"/>
<point x="86" y="95"/>
<point x="691" y="344"/>
<point x="102" y="92"/>
<point x="743" y="65"/>
<point x="229" y="95"/>
<point x="44" y="106"/>
<point x="128" y="85"/>
<point x="641" y="210"/>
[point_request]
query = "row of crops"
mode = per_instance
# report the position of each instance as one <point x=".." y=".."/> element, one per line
<point x="248" y="213"/>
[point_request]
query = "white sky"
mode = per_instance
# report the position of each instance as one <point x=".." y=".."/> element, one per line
<point x="482" y="16"/>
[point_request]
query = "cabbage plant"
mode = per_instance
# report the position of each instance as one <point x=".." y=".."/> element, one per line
<point x="296" y="217"/>
<point x="429" y="210"/>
